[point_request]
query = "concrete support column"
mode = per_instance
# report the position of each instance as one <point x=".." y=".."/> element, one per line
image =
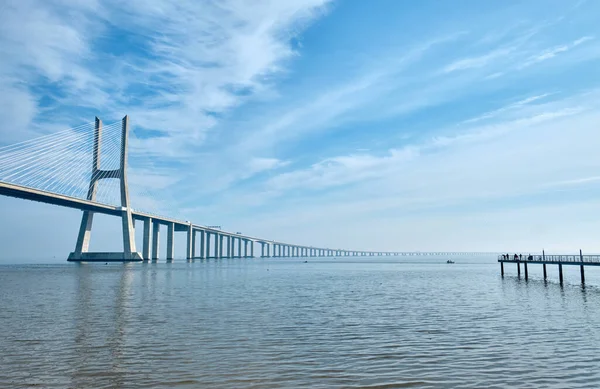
<point x="268" y="250"/>
<point x="245" y="248"/>
<point x="202" y="243"/>
<point x="155" y="240"/>
<point x="228" y="246"/>
<point x="147" y="239"/>
<point x="216" y="242"/>
<point x="251" y="249"/>
<point x="189" y="252"/>
<point x="240" y="248"/>
<point x="194" y="241"/>
<point x="170" y="242"/>
<point x="221" y="238"/>
<point x="208" y="237"/>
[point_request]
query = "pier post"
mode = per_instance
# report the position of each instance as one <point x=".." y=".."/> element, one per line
<point x="155" y="240"/>
<point x="147" y="239"/>
<point x="518" y="269"/>
<point x="545" y="274"/>
<point x="526" y="272"/>
<point x="502" y="268"/>
<point x="560" y="273"/>
<point x="170" y="243"/>
<point x="581" y="267"/>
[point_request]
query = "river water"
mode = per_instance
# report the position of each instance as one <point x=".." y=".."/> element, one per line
<point x="265" y="323"/>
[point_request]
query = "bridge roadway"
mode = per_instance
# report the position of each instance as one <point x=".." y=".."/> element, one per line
<point x="269" y="248"/>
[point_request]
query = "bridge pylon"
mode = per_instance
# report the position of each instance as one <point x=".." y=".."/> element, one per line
<point x="129" y="254"/>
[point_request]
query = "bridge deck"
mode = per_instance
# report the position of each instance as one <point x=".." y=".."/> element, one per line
<point x="27" y="193"/>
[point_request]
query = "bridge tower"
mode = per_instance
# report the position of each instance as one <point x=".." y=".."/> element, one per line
<point x="129" y="254"/>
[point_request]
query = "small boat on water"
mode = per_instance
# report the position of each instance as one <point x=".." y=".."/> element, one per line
<point x="449" y="261"/>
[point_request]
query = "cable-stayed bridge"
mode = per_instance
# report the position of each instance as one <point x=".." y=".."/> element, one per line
<point x="86" y="168"/>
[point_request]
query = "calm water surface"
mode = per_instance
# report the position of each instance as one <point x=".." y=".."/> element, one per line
<point x="287" y="324"/>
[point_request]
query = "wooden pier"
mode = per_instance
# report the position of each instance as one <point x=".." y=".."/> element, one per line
<point x="544" y="259"/>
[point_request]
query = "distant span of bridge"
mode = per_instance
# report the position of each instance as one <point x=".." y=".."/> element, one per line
<point x="26" y="172"/>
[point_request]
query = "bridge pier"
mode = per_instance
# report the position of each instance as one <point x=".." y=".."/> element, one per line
<point x="221" y="239"/>
<point x="170" y="241"/>
<point x="129" y="254"/>
<point x="147" y="239"/>
<point x="545" y="274"/>
<point x="208" y="236"/>
<point x="191" y="242"/>
<point x="526" y="273"/>
<point x="155" y="240"/>
<point x="202" y="243"/>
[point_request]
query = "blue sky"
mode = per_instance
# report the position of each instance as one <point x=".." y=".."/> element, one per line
<point x="381" y="125"/>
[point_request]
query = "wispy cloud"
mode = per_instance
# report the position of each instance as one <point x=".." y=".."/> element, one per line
<point x="239" y="117"/>
<point x="554" y="51"/>
<point x="479" y="61"/>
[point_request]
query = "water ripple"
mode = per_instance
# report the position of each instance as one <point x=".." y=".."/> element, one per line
<point x="323" y="324"/>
